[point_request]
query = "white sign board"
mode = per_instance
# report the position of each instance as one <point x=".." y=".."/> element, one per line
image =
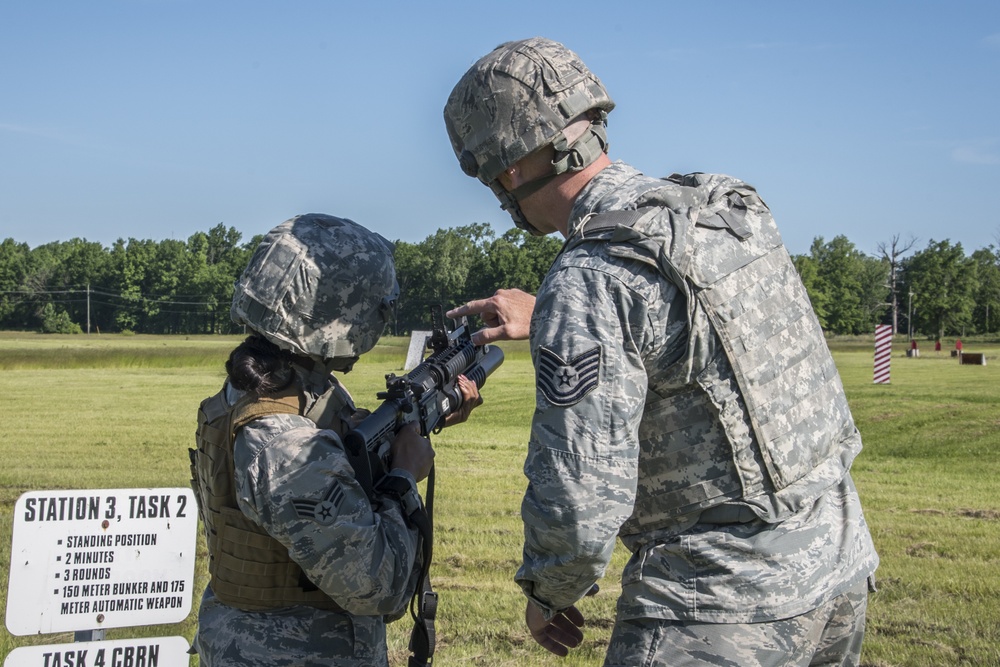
<point x="415" y="353"/>
<point x="89" y="560"/>
<point x="156" y="652"/>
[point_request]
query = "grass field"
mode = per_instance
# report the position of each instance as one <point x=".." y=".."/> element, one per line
<point x="118" y="412"/>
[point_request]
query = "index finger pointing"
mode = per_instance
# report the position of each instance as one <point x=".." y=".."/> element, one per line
<point x="471" y="308"/>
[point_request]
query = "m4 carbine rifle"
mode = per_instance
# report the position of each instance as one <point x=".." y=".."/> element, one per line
<point x="425" y="396"/>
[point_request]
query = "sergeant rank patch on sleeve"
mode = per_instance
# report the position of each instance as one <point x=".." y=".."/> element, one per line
<point x="564" y="383"/>
<point x="322" y="511"/>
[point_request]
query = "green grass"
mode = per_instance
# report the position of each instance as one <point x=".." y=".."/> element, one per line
<point x="118" y="412"/>
<point x="929" y="480"/>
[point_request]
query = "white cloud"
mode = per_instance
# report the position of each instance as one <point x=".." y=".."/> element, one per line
<point x="977" y="152"/>
<point x="42" y="132"/>
<point x="18" y="129"/>
<point x="50" y="134"/>
<point x="992" y="42"/>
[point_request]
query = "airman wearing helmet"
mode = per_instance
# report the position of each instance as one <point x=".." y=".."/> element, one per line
<point x="319" y="286"/>
<point x="686" y="400"/>
<point x="519" y="99"/>
<point x="305" y="564"/>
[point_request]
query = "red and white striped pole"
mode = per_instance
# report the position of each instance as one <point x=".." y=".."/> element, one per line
<point x="883" y="352"/>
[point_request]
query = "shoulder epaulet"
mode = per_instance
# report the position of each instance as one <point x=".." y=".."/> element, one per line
<point x="252" y="406"/>
<point x="612" y="219"/>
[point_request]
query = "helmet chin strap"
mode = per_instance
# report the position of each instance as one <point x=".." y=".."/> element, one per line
<point x="531" y="187"/>
<point x="509" y="204"/>
<point x="341" y="364"/>
<point x="576" y="157"/>
<point x="315" y="372"/>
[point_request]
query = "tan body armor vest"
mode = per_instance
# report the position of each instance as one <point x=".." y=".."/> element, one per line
<point x="248" y="568"/>
<point x="758" y="412"/>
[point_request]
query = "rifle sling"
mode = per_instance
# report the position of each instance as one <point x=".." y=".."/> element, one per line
<point x="423" y="605"/>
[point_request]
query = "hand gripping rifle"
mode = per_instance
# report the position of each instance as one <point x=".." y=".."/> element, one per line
<point x="427" y="395"/>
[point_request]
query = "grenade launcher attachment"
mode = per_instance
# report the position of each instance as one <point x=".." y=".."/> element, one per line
<point x="426" y="395"/>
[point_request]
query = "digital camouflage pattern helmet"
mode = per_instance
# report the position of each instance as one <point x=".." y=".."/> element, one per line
<point x="320" y="286"/>
<point x="517" y="99"/>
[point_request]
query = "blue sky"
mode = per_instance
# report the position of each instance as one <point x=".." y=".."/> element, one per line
<point x="154" y="119"/>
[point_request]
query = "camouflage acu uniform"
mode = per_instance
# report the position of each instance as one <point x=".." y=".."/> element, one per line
<point x="642" y="430"/>
<point x="295" y="481"/>
<point x="829" y="635"/>
<point x="320" y="287"/>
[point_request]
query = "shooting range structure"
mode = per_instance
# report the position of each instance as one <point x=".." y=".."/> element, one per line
<point x="972" y="358"/>
<point x="883" y="353"/>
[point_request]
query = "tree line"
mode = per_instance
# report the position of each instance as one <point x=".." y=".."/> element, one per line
<point x="934" y="292"/>
<point x="185" y="287"/>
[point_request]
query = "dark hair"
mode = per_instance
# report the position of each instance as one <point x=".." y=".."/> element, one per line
<point x="259" y="365"/>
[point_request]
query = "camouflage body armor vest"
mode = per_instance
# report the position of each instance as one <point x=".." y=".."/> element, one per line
<point x="248" y="568"/>
<point x="757" y="412"/>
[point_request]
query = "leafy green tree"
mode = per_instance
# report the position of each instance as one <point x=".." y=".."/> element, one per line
<point x="186" y="287"/>
<point x="411" y="265"/>
<point x="455" y="254"/>
<point x="217" y="259"/>
<point x="848" y="288"/>
<point x="82" y="265"/>
<point x="515" y="260"/>
<point x="131" y="261"/>
<point x="943" y="284"/>
<point x="875" y="296"/>
<point x="808" y="270"/>
<point x="48" y="280"/>
<point x="437" y="271"/>
<point x="57" y="320"/>
<point x="136" y="285"/>
<point x="15" y="261"/>
<point x="167" y="303"/>
<point x="39" y="285"/>
<point x="986" y="314"/>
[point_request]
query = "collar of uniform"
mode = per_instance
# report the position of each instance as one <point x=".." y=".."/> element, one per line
<point x="595" y="196"/>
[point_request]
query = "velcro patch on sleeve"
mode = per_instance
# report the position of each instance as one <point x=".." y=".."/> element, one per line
<point x="564" y="383"/>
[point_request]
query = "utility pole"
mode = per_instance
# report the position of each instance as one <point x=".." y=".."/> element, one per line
<point x="909" y="318"/>
<point x="88" y="307"/>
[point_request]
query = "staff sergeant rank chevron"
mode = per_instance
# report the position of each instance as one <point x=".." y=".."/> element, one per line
<point x="564" y="383"/>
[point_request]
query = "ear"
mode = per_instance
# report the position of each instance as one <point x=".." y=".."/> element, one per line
<point x="507" y="178"/>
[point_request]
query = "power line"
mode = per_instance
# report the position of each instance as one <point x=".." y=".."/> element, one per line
<point x="127" y="299"/>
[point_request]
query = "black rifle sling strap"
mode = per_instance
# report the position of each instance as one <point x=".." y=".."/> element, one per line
<point x="423" y="606"/>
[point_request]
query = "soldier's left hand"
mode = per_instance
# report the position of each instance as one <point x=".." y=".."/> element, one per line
<point x="470" y="399"/>
<point x="558" y="635"/>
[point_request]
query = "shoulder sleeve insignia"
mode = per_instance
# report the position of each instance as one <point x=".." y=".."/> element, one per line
<point x="322" y="511"/>
<point x="564" y="383"/>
